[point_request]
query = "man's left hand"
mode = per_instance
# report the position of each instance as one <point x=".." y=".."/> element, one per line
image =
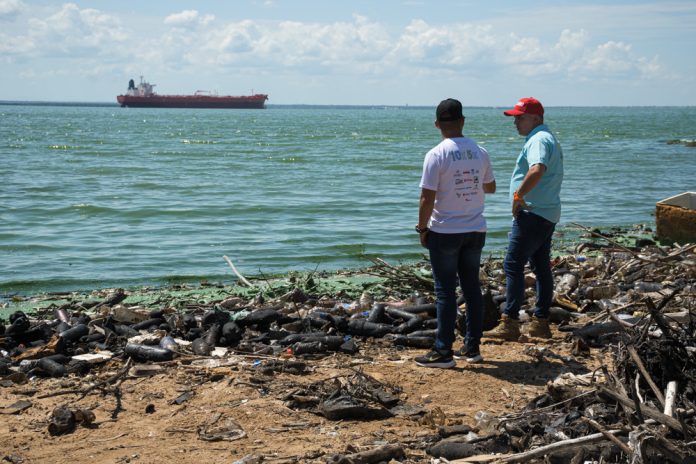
<point x="517" y="205"/>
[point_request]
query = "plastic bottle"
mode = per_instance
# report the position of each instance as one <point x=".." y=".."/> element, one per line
<point x="485" y="421"/>
<point x="370" y="329"/>
<point x="647" y="287"/>
<point x="62" y="315"/>
<point x="377" y="312"/>
<point x="414" y="342"/>
<point x="50" y="367"/>
<point x="366" y="301"/>
<point x="308" y="348"/>
<point x="409" y="326"/>
<point x="200" y="347"/>
<point x="146" y="324"/>
<point x="74" y="334"/>
<point x="148" y="353"/>
<point x="168" y="343"/>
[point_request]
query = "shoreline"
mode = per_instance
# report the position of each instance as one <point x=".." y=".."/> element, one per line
<point x="350" y="281"/>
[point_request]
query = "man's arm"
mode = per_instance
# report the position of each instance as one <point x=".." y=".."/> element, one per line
<point x="489" y="187"/>
<point x="425" y="210"/>
<point x="530" y="181"/>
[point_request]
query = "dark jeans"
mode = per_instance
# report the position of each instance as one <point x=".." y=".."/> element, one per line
<point x="453" y="255"/>
<point x="530" y="241"/>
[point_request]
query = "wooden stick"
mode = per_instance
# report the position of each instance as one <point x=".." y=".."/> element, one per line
<point x="234" y="269"/>
<point x="670" y="397"/>
<point x="595" y="425"/>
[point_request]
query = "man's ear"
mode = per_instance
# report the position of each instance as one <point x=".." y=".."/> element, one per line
<point x="437" y="123"/>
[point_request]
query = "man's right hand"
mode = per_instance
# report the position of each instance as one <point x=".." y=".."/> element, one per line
<point x="424" y="239"/>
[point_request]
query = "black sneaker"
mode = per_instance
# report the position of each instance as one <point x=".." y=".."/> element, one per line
<point x="470" y="355"/>
<point x="436" y="359"/>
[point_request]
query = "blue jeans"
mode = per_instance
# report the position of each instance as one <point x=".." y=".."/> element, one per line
<point x="453" y="255"/>
<point x="530" y="241"/>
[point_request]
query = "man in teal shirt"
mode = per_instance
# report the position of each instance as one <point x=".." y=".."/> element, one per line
<point x="535" y="190"/>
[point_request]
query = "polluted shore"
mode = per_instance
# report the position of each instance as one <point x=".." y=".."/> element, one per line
<point x="318" y="367"/>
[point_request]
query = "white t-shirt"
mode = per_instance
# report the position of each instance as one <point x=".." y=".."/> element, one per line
<point x="457" y="169"/>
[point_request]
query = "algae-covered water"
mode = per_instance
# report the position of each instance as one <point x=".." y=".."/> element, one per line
<point x="106" y="196"/>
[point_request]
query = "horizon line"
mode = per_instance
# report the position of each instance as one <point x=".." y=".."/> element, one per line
<point x="314" y="105"/>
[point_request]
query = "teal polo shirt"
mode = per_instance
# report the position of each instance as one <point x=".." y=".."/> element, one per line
<point x="545" y="198"/>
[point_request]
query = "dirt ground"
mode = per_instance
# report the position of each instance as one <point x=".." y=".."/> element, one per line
<point x="152" y="428"/>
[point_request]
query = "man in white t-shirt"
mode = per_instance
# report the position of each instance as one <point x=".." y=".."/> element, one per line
<point x="456" y="175"/>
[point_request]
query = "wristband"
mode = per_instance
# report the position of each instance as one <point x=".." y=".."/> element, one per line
<point x="517" y="197"/>
<point x="421" y="230"/>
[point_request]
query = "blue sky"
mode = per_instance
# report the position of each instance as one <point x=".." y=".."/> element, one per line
<point x="383" y="52"/>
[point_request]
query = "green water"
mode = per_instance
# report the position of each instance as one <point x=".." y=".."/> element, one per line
<point x="103" y="196"/>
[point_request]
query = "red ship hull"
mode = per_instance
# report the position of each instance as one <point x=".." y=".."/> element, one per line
<point x="257" y="101"/>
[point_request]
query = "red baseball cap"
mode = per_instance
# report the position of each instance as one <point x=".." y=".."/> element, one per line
<point x="526" y="106"/>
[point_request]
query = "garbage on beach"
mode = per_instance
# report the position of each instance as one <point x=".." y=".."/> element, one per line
<point x="636" y="302"/>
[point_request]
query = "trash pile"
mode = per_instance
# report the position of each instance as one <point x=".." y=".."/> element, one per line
<point x="640" y="304"/>
<point x="357" y="397"/>
<point x="642" y="410"/>
<point x="635" y="300"/>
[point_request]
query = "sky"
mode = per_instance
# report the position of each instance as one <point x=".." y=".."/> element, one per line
<point x="360" y="52"/>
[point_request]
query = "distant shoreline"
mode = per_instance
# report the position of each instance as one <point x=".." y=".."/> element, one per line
<point x="304" y="106"/>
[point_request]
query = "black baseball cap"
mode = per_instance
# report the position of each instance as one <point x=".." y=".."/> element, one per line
<point x="449" y="110"/>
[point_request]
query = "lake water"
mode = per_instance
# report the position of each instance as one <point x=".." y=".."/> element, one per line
<point x="104" y="196"/>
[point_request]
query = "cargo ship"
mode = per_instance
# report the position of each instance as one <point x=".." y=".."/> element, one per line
<point x="143" y="96"/>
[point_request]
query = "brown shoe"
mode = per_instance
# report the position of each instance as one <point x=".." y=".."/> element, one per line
<point x="539" y="328"/>
<point x="507" y="329"/>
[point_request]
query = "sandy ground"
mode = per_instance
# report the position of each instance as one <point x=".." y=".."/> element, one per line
<point x="237" y="396"/>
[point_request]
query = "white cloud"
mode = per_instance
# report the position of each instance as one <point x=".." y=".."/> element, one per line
<point x="363" y="47"/>
<point x="358" y="47"/>
<point x="70" y="32"/>
<point x="188" y="18"/>
<point x="10" y="8"/>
